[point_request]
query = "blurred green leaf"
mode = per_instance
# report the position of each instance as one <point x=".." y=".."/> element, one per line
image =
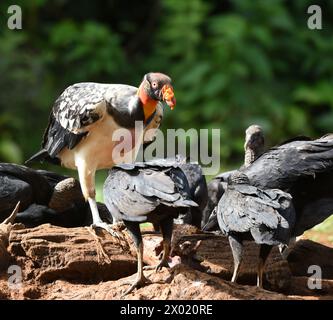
<point x="232" y="63"/>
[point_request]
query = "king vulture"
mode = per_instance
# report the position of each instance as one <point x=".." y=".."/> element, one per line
<point x="83" y="134"/>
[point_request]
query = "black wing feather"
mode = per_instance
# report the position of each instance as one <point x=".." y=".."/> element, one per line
<point x="267" y="214"/>
<point x="280" y="167"/>
<point x="133" y="195"/>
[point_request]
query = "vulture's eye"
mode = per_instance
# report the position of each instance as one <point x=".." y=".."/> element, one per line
<point x="154" y="84"/>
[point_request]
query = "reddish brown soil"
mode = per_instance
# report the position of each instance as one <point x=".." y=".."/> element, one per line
<point x="78" y="269"/>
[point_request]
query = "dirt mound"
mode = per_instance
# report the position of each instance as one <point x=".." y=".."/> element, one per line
<point x="63" y="263"/>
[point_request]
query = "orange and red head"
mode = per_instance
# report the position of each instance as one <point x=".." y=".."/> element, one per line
<point x="156" y="87"/>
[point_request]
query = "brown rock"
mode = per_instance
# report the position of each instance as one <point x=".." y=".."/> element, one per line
<point x="64" y="194"/>
<point x="306" y="253"/>
<point x="73" y="253"/>
<point x="5" y="228"/>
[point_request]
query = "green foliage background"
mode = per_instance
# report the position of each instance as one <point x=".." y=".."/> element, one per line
<point x="233" y="63"/>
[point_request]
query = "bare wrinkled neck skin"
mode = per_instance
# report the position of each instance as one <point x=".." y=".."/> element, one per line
<point x="254" y="144"/>
<point x="251" y="155"/>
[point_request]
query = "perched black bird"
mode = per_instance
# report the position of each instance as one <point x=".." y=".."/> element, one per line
<point x="303" y="168"/>
<point x="43" y="197"/>
<point x="253" y="149"/>
<point x="82" y="125"/>
<point x="147" y="192"/>
<point x="246" y="212"/>
<point x="196" y="181"/>
<point x="19" y="183"/>
<point x="198" y="188"/>
<point x="37" y="214"/>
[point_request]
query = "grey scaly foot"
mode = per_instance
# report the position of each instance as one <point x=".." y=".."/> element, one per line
<point x="138" y="283"/>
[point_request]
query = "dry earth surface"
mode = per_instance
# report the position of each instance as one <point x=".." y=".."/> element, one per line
<point x="59" y="263"/>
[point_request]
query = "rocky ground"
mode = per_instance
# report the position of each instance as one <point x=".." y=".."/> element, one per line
<point x="59" y="263"/>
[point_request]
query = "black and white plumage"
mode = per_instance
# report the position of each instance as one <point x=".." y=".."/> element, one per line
<point x="147" y="192"/>
<point x="84" y="130"/>
<point x="246" y="212"/>
<point x="83" y="104"/>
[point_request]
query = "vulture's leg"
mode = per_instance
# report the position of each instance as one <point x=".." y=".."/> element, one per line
<point x="141" y="280"/>
<point x="263" y="255"/>
<point x="166" y="229"/>
<point x="237" y="253"/>
<point x="87" y="182"/>
<point x="166" y="226"/>
<point x="285" y="249"/>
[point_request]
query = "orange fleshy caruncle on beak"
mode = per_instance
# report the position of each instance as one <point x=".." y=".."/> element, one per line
<point x="168" y="96"/>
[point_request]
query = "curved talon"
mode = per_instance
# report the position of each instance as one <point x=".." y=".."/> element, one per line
<point x="138" y="283"/>
<point x="106" y="227"/>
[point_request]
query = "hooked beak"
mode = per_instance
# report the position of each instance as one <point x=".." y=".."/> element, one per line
<point x="168" y="96"/>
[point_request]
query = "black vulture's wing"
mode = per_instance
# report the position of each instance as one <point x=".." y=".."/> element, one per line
<point x="131" y="195"/>
<point x="282" y="166"/>
<point x="216" y="189"/>
<point x="239" y="212"/>
<point x="40" y="187"/>
<point x="159" y="163"/>
<point x="244" y="208"/>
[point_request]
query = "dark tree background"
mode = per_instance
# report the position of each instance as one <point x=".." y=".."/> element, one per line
<point x="233" y="63"/>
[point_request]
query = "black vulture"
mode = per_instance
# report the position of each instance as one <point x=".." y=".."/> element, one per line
<point x="253" y="148"/>
<point x="19" y="183"/>
<point x="196" y="181"/>
<point x="88" y="120"/>
<point x="245" y="212"/>
<point x="303" y="168"/>
<point x="45" y="197"/>
<point x="147" y="192"/>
